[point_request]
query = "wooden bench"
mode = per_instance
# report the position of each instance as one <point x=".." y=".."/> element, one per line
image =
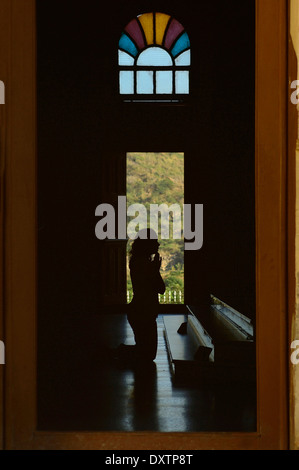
<point x="182" y="347"/>
<point x="189" y="357"/>
<point x="211" y="346"/>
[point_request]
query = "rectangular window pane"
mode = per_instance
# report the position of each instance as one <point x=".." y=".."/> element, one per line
<point x="145" y="82"/>
<point x="126" y="82"/>
<point x="125" y="59"/>
<point x="164" y="81"/>
<point x="182" y="82"/>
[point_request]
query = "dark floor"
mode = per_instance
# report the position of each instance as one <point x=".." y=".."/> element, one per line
<point x="80" y="389"/>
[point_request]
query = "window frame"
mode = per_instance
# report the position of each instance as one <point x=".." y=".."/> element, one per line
<point x="18" y="49"/>
<point x="155" y="97"/>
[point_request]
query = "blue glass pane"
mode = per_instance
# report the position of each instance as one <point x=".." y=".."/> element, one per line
<point x="181" y="44"/>
<point x="126" y="82"/>
<point x="183" y="59"/>
<point x="145" y="82"/>
<point x="154" y="56"/>
<point x="125" y="59"/>
<point x="164" y="82"/>
<point x="127" y="45"/>
<point x="182" y="82"/>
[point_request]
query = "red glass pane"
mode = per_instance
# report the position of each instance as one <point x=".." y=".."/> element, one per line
<point x="133" y="29"/>
<point x="175" y="28"/>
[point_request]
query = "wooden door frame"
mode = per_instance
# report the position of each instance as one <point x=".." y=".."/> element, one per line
<point x="18" y="50"/>
<point x="293" y="139"/>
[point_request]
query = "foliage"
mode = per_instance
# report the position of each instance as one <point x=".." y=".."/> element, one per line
<point x="158" y="178"/>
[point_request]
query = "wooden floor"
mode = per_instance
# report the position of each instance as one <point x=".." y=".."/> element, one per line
<point x="79" y="388"/>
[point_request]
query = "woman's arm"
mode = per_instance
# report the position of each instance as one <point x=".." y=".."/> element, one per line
<point x="145" y="276"/>
<point x="159" y="283"/>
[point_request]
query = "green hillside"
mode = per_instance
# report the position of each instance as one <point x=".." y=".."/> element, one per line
<point x="157" y="178"/>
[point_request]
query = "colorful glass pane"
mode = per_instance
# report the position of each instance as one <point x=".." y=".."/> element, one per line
<point x="125" y="59"/>
<point x="184" y="59"/>
<point x="154" y="56"/>
<point x="181" y="45"/>
<point x="126" y="82"/>
<point x="182" y="82"/>
<point x="164" y="82"/>
<point x="147" y="23"/>
<point x="161" y="23"/>
<point x="126" y="44"/>
<point x="134" y="31"/>
<point x="175" y="28"/>
<point x="145" y="82"/>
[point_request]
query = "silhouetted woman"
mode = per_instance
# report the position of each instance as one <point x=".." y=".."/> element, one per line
<point x="147" y="283"/>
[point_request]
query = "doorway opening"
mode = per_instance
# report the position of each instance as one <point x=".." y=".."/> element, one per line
<point x="154" y="179"/>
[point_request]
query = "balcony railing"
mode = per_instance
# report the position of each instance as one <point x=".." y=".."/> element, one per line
<point x="169" y="297"/>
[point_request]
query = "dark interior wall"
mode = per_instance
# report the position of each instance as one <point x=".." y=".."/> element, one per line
<point x="81" y="121"/>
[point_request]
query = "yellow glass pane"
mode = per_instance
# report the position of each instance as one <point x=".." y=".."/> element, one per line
<point x="147" y="24"/>
<point x="161" y="23"/>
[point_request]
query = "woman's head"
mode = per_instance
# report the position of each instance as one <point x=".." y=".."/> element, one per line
<point x="145" y="243"/>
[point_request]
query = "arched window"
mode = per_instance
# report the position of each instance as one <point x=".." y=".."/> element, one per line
<point x="154" y="57"/>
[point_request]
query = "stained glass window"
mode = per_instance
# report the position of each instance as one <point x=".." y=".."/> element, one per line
<point x="154" y="57"/>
